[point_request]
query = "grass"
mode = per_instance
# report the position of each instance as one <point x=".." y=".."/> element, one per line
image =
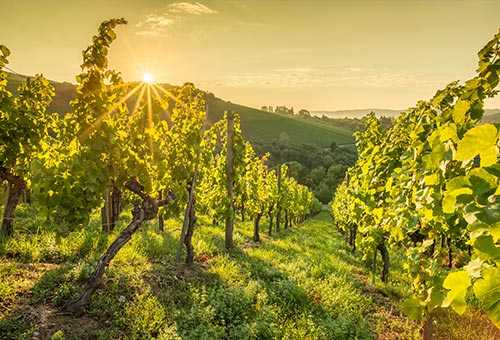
<point x="303" y="283"/>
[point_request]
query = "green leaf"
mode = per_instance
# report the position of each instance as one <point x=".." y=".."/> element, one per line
<point x="413" y="309"/>
<point x="495" y="232"/>
<point x="480" y="140"/>
<point x="484" y="245"/>
<point x="459" y="111"/>
<point x="457" y="283"/>
<point x="481" y="183"/>
<point x="5" y="50"/>
<point x="487" y="290"/>
<point x="448" y="132"/>
<point x="452" y="199"/>
<point x="433" y="179"/>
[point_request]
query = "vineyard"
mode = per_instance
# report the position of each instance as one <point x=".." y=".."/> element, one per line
<point x="157" y="222"/>
<point x="429" y="185"/>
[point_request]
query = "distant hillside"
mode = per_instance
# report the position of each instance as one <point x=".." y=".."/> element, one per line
<point x="65" y="92"/>
<point x="262" y="126"/>
<point x="256" y="125"/>
<point x="356" y="113"/>
<point x="490" y="115"/>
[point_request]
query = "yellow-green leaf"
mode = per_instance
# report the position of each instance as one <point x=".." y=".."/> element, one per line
<point x="457" y="283"/>
<point x="482" y="141"/>
<point x="487" y="290"/>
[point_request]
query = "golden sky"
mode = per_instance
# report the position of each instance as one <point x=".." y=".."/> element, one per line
<point x="316" y="54"/>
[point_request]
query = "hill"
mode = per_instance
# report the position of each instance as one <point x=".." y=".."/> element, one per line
<point x="356" y="113"/>
<point x="65" y="92"/>
<point x="263" y="126"/>
<point x="490" y="115"/>
<point x="256" y="125"/>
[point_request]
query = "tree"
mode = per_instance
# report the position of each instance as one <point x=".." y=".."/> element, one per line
<point x="304" y="113"/>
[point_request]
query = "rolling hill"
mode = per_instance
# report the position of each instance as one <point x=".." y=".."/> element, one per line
<point x="490" y="115"/>
<point x="256" y="125"/>
<point x="262" y="126"/>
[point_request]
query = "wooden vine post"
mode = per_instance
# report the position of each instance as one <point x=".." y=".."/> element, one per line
<point x="278" y="203"/>
<point x="229" y="180"/>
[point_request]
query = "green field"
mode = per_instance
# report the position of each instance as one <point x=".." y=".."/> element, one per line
<point x="261" y="126"/>
<point x="304" y="283"/>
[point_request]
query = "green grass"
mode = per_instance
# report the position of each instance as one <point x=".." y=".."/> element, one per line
<point x="261" y="126"/>
<point x="303" y="283"/>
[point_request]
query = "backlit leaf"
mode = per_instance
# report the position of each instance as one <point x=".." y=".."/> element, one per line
<point x="487" y="290"/>
<point x="480" y="140"/>
<point x="457" y="283"/>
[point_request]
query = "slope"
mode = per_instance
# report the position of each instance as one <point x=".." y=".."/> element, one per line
<point x="262" y="126"/>
<point x="256" y="125"/>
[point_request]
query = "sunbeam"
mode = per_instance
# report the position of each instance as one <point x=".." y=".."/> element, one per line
<point x="87" y="132"/>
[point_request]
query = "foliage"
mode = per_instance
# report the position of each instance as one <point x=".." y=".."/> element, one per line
<point x="320" y="169"/>
<point x="83" y="157"/>
<point x="434" y="176"/>
<point x="24" y="125"/>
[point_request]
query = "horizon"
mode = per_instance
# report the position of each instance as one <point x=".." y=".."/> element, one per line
<point x="318" y="56"/>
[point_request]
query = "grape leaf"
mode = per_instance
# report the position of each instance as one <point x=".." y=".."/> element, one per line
<point x="413" y="309"/>
<point x="481" y="140"/>
<point x="457" y="283"/>
<point x="487" y="290"/>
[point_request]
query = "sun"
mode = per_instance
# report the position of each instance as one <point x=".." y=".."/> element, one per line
<point x="147" y="78"/>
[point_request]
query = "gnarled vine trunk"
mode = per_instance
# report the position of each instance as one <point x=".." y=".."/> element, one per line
<point x="15" y="187"/>
<point x="271" y="216"/>
<point x="256" y="221"/>
<point x="427" y="329"/>
<point x="161" y="222"/>
<point x="111" y="209"/>
<point x="145" y="210"/>
<point x="352" y="236"/>
<point x="385" y="260"/>
<point x="189" y="235"/>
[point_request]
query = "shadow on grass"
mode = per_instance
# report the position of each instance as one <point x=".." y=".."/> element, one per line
<point x="233" y="294"/>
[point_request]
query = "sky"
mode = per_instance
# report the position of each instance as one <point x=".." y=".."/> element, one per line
<point x="314" y="55"/>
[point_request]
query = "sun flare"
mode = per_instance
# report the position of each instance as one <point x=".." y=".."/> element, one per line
<point x="147" y="78"/>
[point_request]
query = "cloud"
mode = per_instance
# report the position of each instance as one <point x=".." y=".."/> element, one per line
<point x="354" y="69"/>
<point x="331" y="76"/>
<point x="155" y="25"/>
<point x="283" y="77"/>
<point x="191" y="8"/>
